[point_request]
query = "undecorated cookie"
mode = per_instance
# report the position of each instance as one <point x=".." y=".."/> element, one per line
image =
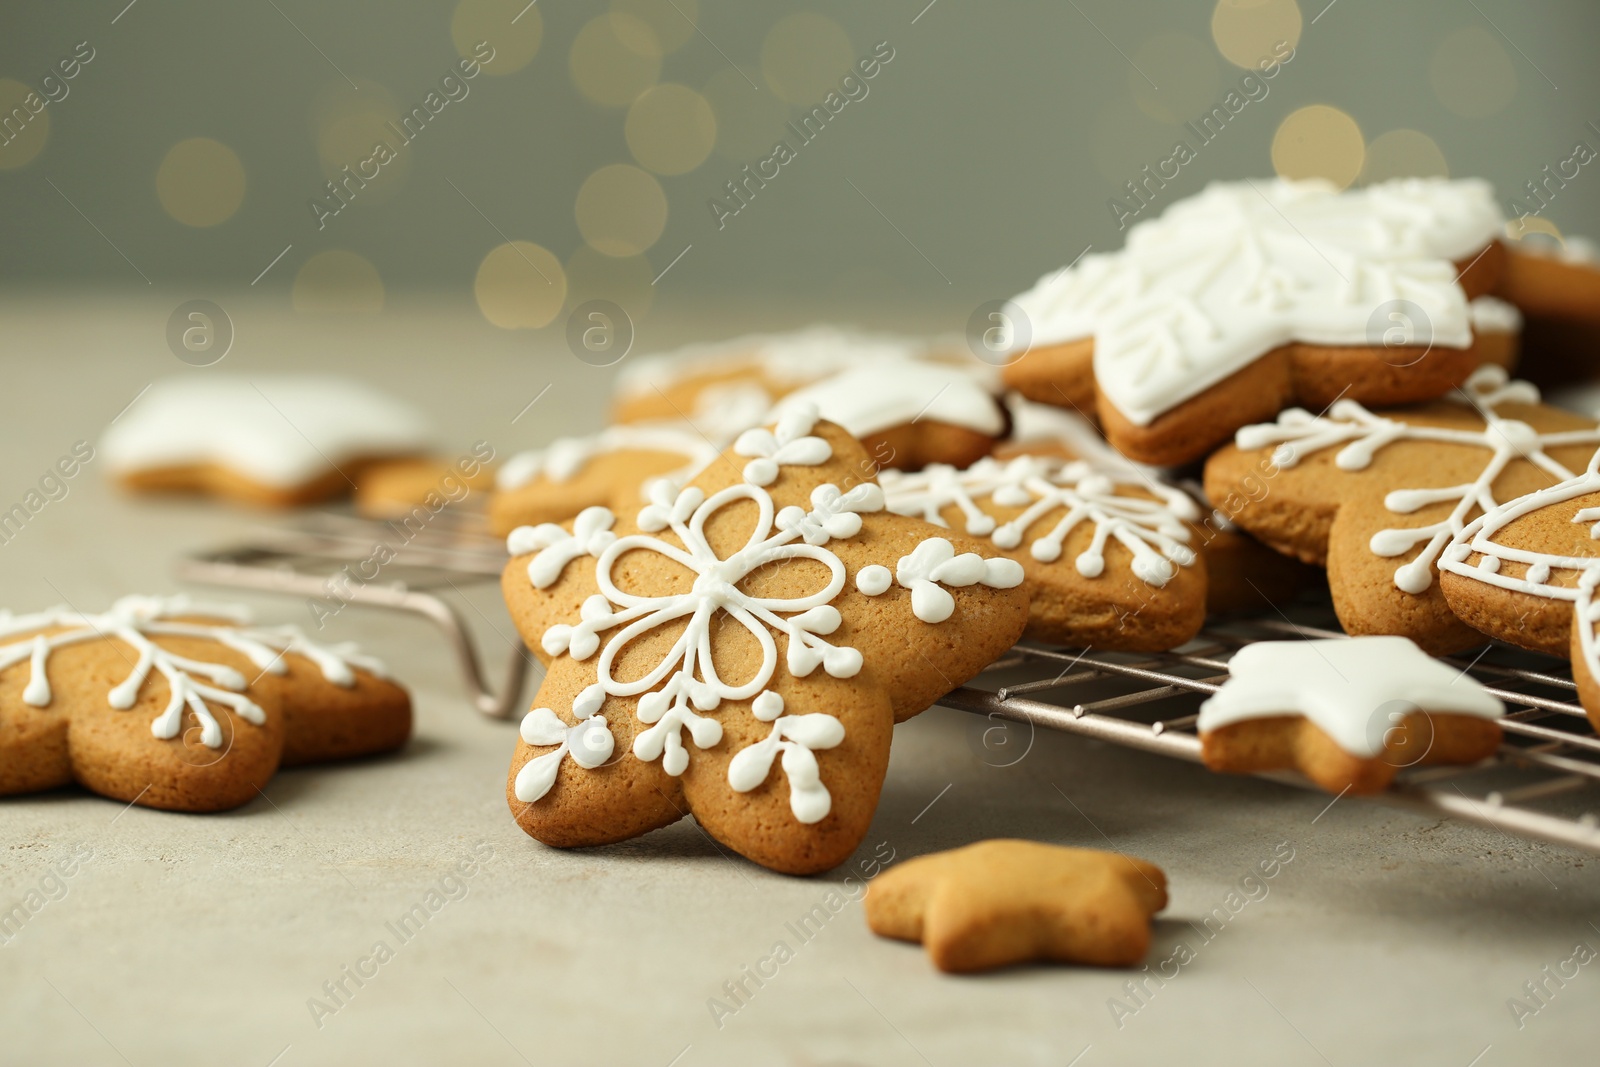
<point x="1235" y="303"/>
<point x="1348" y="713"/>
<point x="1376" y="496"/>
<point x="740" y="650"/>
<point x="273" y="442"/>
<point x="1556" y="284"/>
<point x="998" y="903"/>
<point x="397" y="487"/>
<point x="178" y="705"/>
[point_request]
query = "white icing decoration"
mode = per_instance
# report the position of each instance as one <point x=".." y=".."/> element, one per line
<point x="1221" y="278"/>
<point x="1572" y="249"/>
<point x="1341" y="685"/>
<point x="1363" y="434"/>
<point x="280" y="432"/>
<point x="679" y="692"/>
<point x="873" y="397"/>
<point x="934" y="564"/>
<point x="1490" y="314"/>
<point x="135" y="620"/>
<point x="788" y="443"/>
<point x="1152" y="530"/>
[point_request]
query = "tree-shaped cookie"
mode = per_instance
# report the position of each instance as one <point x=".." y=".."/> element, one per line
<point x="178" y="705"/>
<point x="741" y="649"/>
<point x="1109" y="552"/>
<point x="1252" y="295"/>
<point x="1526" y="572"/>
<point x="1376" y="497"/>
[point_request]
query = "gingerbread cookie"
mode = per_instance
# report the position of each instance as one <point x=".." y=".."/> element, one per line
<point x="1525" y="572"/>
<point x="1497" y="330"/>
<point x="397" y="487"/>
<point x="909" y="413"/>
<point x="1251" y="295"/>
<point x="1348" y="713"/>
<point x="741" y="648"/>
<point x="1375" y="497"/>
<point x="1108" y="551"/>
<point x="1556" y="284"/>
<point x="998" y="903"/>
<point x="274" y="442"/>
<point x="179" y="705"/>
<point x="670" y="385"/>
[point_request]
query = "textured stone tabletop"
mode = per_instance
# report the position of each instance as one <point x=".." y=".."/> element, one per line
<point x="172" y="939"/>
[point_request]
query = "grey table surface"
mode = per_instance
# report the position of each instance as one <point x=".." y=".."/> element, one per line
<point x="212" y="939"/>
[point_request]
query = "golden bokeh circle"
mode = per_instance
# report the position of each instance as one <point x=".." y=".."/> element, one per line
<point x="804" y="56"/>
<point x="520" y="286"/>
<point x="348" y="124"/>
<point x="24" y="143"/>
<point x="1186" y="73"/>
<point x="200" y="182"/>
<point x="614" y="58"/>
<point x="338" y="282"/>
<point x="672" y="20"/>
<point x="1319" y="141"/>
<point x="749" y="122"/>
<point x="1471" y="74"/>
<point x="511" y="28"/>
<point x="1404" y="154"/>
<point x="623" y="280"/>
<point x="621" y="210"/>
<point x="1249" y="31"/>
<point x="670" y="129"/>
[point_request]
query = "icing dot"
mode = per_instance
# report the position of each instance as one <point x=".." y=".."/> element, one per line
<point x="1539" y="573"/>
<point x="767" y="706"/>
<point x="873" y="580"/>
<point x="1517" y="435"/>
<point x="1489" y="564"/>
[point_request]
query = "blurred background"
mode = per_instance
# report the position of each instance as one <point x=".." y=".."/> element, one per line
<point x="186" y="148"/>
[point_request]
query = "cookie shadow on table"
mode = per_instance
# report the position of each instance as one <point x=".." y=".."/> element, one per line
<point x="300" y="782"/>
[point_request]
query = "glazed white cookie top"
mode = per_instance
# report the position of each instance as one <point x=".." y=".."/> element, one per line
<point x="1573" y="249"/>
<point x="1354" y="689"/>
<point x="1222" y="278"/>
<point x="883" y="393"/>
<point x="277" y="431"/>
<point x="789" y="359"/>
<point x="1490" y="314"/>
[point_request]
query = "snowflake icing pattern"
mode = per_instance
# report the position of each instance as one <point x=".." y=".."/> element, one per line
<point x="680" y="692"/>
<point x="1153" y="530"/>
<point x="135" y="620"/>
<point x="1363" y="435"/>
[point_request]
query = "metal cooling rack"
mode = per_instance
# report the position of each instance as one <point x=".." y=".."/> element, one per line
<point x="1537" y="786"/>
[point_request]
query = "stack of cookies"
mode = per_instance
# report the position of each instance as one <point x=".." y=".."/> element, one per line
<point x="783" y="545"/>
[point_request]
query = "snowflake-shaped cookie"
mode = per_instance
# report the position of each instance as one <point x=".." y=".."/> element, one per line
<point x="1108" y="549"/>
<point x="740" y="649"/>
<point x="1376" y="498"/>
<point x="202" y="710"/>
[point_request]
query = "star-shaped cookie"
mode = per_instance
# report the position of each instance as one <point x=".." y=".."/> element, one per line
<point x="1234" y="303"/>
<point x="740" y="649"/>
<point x="1376" y="496"/>
<point x="1348" y="713"/>
<point x="1003" y="902"/>
<point x="179" y="705"/>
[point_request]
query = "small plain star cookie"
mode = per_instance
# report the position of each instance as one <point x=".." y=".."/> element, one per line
<point x="1003" y="902"/>
<point x="179" y="705"/>
<point x="1348" y="713"/>
<point x="739" y="649"/>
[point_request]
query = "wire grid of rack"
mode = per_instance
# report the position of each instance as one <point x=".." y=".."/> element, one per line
<point x="1538" y="785"/>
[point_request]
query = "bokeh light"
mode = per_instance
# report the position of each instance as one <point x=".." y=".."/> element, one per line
<point x="749" y="121"/>
<point x="622" y="280"/>
<point x="348" y="124"/>
<point x="1186" y="74"/>
<point x="29" y="140"/>
<point x="670" y="129"/>
<point x="1248" y="31"/>
<point x="520" y="286"/>
<point x="621" y="210"/>
<point x="804" y="56"/>
<point x="511" y="27"/>
<point x="1404" y="154"/>
<point x="672" y="20"/>
<point x="338" y="282"/>
<point x="1319" y="141"/>
<point x="1471" y="74"/>
<point x="200" y="182"/>
<point x="615" y="57"/>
